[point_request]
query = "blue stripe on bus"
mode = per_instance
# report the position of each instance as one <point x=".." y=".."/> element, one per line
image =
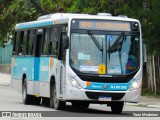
<point x="109" y="86"/>
<point x="34" y="24"/>
<point x="36" y="68"/>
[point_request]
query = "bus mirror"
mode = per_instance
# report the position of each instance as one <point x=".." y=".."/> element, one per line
<point x="65" y="41"/>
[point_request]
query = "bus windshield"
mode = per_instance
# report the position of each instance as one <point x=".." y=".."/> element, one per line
<point x="118" y="52"/>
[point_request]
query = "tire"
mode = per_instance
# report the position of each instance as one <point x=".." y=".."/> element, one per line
<point x="117" y="107"/>
<point x="76" y="104"/>
<point x="85" y="105"/>
<point x="54" y="101"/>
<point x="27" y="99"/>
<point x="36" y="100"/>
<point x="45" y="101"/>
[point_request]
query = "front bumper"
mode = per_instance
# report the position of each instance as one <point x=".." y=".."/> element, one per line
<point x="72" y="93"/>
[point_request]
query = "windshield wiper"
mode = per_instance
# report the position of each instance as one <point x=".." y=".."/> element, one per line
<point x="95" y="40"/>
<point x="117" y="44"/>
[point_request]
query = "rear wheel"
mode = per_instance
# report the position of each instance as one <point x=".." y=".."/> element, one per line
<point x="117" y="107"/>
<point x="54" y="101"/>
<point x="27" y="99"/>
<point x="36" y="100"/>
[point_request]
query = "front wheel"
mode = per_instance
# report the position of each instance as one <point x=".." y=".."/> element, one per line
<point x="117" y="107"/>
<point x="27" y="99"/>
<point x="54" y="101"/>
<point x="45" y="101"/>
<point x="85" y="105"/>
<point x="76" y="104"/>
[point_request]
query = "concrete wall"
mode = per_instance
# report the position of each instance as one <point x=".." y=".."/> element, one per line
<point x="6" y="68"/>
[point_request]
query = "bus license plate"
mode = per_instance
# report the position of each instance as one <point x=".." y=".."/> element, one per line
<point x="103" y="98"/>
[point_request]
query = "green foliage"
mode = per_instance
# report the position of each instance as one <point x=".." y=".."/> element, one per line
<point x="147" y="11"/>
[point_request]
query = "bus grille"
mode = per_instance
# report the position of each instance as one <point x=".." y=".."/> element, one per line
<point x="96" y="95"/>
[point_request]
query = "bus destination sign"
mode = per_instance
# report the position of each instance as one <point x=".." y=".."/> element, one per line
<point x="102" y="25"/>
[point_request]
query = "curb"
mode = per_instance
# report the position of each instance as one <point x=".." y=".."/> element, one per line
<point x="142" y="105"/>
<point x="136" y="104"/>
<point x="153" y="106"/>
<point x="5" y="84"/>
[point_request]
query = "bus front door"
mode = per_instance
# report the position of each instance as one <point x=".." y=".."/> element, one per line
<point x="37" y="54"/>
<point x="60" y="78"/>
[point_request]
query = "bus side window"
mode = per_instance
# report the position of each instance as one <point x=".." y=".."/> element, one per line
<point x="53" y="48"/>
<point x="17" y="44"/>
<point x="55" y="34"/>
<point x="29" y="42"/>
<point x="20" y="50"/>
<point x="27" y="46"/>
<point x="46" y="41"/>
<point x="24" y="42"/>
<point x="14" y="43"/>
<point x="55" y="37"/>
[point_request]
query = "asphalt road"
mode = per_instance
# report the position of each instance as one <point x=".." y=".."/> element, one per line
<point x="11" y="100"/>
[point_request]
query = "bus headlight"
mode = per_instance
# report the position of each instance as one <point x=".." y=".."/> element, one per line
<point x="135" y="85"/>
<point x="74" y="82"/>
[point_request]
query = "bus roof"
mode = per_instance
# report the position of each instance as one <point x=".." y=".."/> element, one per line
<point x="62" y="18"/>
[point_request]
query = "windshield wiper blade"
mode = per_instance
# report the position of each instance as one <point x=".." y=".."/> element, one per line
<point x="116" y="45"/>
<point x="95" y="41"/>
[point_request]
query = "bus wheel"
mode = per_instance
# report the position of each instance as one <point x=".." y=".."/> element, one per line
<point x="36" y="100"/>
<point x="85" y="105"/>
<point x="117" y="107"/>
<point x="54" y="101"/>
<point x="80" y="104"/>
<point x="75" y="104"/>
<point x="45" y="101"/>
<point x="27" y="99"/>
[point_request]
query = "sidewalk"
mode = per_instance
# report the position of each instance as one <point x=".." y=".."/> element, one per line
<point x="145" y="101"/>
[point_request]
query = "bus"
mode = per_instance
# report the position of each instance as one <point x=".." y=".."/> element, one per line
<point x="79" y="58"/>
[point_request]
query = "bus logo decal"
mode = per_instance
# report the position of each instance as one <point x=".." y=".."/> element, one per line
<point x="105" y="87"/>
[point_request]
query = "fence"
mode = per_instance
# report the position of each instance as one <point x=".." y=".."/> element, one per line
<point x="6" y="54"/>
<point x="5" y="58"/>
<point x="153" y="75"/>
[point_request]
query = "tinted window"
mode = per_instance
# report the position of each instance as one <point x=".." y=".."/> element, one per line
<point x="17" y="44"/>
<point x="46" y="41"/>
<point x="24" y="42"/>
<point x="53" y="48"/>
<point x="30" y="38"/>
<point x="14" y="43"/>
<point x="20" y="47"/>
<point x="55" y="34"/>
